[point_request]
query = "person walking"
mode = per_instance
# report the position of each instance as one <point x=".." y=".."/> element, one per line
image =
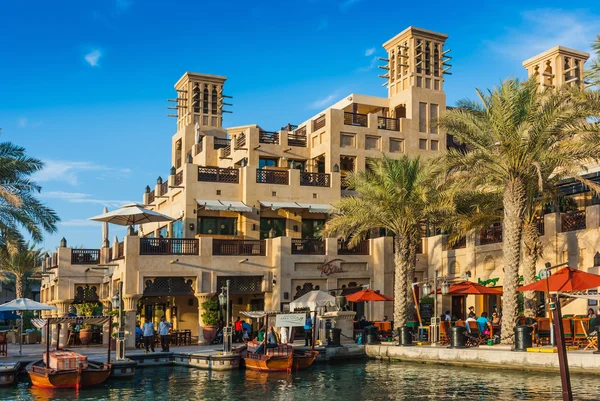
<point x="308" y="332"/>
<point x="163" y="331"/>
<point x="148" y="335"/>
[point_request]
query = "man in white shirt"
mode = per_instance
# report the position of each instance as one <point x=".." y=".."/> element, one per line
<point x="163" y="331"/>
<point x="148" y="335"/>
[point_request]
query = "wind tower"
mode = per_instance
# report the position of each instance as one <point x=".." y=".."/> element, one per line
<point x="556" y="67"/>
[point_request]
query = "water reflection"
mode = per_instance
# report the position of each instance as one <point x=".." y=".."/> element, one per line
<point x="346" y="382"/>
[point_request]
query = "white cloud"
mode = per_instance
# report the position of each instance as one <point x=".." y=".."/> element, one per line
<point x="79" y="223"/>
<point x="79" y="197"/>
<point x="22" y="122"/>
<point x="68" y="171"/>
<point x="93" y="57"/>
<point x="371" y="65"/>
<point x="369" y="52"/>
<point x="346" y="4"/>
<point x="325" y="102"/>
<point x="543" y="29"/>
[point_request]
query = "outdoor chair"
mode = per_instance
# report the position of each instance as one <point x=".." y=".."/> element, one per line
<point x="475" y="337"/>
<point x="568" y="330"/>
<point x="580" y="330"/>
<point x="591" y="338"/>
<point x="3" y="345"/>
<point x="542" y="331"/>
<point x="444" y="333"/>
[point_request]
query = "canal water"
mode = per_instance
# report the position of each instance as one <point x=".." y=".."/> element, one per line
<point x="349" y="381"/>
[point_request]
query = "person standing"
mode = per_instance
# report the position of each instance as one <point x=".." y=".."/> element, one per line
<point x="238" y="330"/>
<point x="148" y="335"/>
<point x="308" y="332"/>
<point x="283" y="335"/>
<point x="163" y="331"/>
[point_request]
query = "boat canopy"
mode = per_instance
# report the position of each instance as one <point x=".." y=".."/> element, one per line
<point x="97" y="320"/>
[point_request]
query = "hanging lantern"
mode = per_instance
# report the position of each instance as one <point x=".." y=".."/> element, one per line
<point x="445" y="288"/>
<point x="426" y="288"/>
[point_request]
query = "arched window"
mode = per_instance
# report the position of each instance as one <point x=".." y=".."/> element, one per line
<point x="427" y="59"/>
<point x="453" y="267"/>
<point x="196" y="98"/>
<point x="205" y="101"/>
<point x="214" y="103"/>
<point x="489" y="264"/>
<point x="548" y="76"/>
<point x="436" y="60"/>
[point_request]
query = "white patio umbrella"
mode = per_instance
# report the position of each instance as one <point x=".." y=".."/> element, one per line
<point x="24" y="304"/>
<point x="313" y="300"/>
<point x="130" y="215"/>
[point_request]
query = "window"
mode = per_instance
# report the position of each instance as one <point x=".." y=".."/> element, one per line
<point x="217" y="225"/>
<point x="163" y="232"/>
<point x="422" y="117"/>
<point x="205" y="102"/>
<point x="372" y="143"/>
<point x="265" y="162"/>
<point x="423" y="144"/>
<point x="312" y="228"/>
<point x="347" y="140"/>
<point x="433" y="116"/>
<point x="297" y="164"/>
<point x="396" y="146"/>
<point x="267" y="223"/>
<point x="178" y="229"/>
<point x="214" y="102"/>
<point x="435" y="145"/>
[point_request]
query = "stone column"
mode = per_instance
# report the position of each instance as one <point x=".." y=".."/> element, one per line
<point x="63" y="306"/>
<point x="130" y="311"/>
<point x="201" y="299"/>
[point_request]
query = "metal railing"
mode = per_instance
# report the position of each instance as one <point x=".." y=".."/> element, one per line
<point x="178" y="178"/>
<point x="356" y="119"/>
<point x="492" y="235"/>
<point x="221" y="143"/>
<point x="168" y="246"/>
<point x="85" y="256"/>
<point x="572" y="221"/>
<point x="391" y="124"/>
<point x="218" y="174"/>
<point x="362" y="248"/>
<point x="268" y="137"/>
<point x="308" y="246"/>
<point x="272" y="177"/>
<point x="319" y="122"/>
<point x="298" y="137"/>
<point x="238" y="247"/>
<point x="315" y="179"/>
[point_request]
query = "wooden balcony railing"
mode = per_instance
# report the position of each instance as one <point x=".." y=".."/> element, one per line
<point x="178" y="161"/>
<point x="272" y="177"/>
<point x="460" y="244"/>
<point x="168" y="246"/>
<point x="218" y="174"/>
<point x="240" y="141"/>
<point x="308" y="247"/>
<point x="356" y="119"/>
<point x="298" y="137"/>
<point x="492" y="235"/>
<point x="268" y="137"/>
<point x="319" y="122"/>
<point x="151" y="196"/>
<point x="120" y="254"/>
<point x="179" y="178"/>
<point x="227" y="150"/>
<point x="315" y="179"/>
<point x="362" y="248"/>
<point x="390" y="124"/>
<point x="238" y="247"/>
<point x="221" y="143"/>
<point x="164" y="187"/>
<point x="572" y="221"/>
<point x="85" y="256"/>
<point x="53" y="261"/>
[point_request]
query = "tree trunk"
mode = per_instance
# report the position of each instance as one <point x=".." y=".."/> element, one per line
<point x="514" y="207"/>
<point x="410" y="274"/>
<point x="401" y="261"/>
<point x="532" y="250"/>
<point x="19" y="286"/>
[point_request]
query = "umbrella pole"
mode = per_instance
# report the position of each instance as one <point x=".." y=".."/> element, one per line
<point x="314" y="332"/>
<point x="48" y="327"/>
<point x="21" y="335"/>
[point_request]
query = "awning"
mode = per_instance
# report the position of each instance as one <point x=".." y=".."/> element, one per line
<point x="95" y="320"/>
<point x="312" y="207"/>
<point x="232" y="206"/>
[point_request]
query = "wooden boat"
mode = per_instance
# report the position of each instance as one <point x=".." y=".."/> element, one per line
<point x="304" y="359"/>
<point x="8" y="372"/>
<point x="43" y="377"/>
<point x="279" y="361"/>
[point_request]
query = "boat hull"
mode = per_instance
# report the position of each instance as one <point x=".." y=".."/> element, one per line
<point x="269" y="363"/>
<point x="48" y="378"/>
<point x="304" y="360"/>
<point x="8" y="373"/>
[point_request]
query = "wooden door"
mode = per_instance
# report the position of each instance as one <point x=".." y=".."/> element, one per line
<point x="458" y="307"/>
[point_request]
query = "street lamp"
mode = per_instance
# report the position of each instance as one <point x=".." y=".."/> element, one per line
<point x="227" y="330"/>
<point x="445" y="288"/>
<point x="117" y="300"/>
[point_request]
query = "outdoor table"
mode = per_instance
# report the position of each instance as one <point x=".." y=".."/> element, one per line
<point x="383" y="326"/>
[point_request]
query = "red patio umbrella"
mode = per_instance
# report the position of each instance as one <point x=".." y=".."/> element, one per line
<point x="367" y="296"/>
<point x="470" y="288"/>
<point x="566" y="279"/>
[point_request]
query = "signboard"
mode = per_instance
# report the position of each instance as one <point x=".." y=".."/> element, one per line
<point x="121" y="335"/>
<point x="330" y="267"/>
<point x="426" y="310"/>
<point x="290" y="320"/>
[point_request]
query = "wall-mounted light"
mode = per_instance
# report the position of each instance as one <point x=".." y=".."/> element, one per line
<point x="172" y="171"/>
<point x="192" y="227"/>
<point x="336" y="168"/>
<point x="597" y="259"/>
<point x="147" y="189"/>
<point x="286" y="295"/>
<point x="445" y="288"/>
<point x="243" y="260"/>
<point x="159" y="180"/>
<point x="274" y="279"/>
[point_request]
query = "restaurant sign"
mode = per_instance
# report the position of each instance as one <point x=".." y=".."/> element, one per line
<point x="290" y="320"/>
<point x="330" y="267"/>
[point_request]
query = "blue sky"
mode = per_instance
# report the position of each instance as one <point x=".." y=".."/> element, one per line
<point x="84" y="83"/>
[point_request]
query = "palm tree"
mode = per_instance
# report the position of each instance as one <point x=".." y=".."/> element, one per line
<point x="396" y="195"/>
<point x="18" y="261"/>
<point x="19" y="208"/>
<point x="593" y="75"/>
<point x="514" y="136"/>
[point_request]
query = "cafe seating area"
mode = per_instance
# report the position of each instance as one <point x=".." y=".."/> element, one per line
<point x="177" y="337"/>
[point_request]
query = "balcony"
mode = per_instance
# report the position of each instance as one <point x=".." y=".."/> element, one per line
<point x="220" y="143"/>
<point x="390" y="124"/>
<point x="168" y="246"/>
<point x="178" y="178"/>
<point x="268" y="137"/>
<point x="238" y="247"/>
<point x="272" y="177"/>
<point x="85" y="256"/>
<point x="217" y="174"/>
<point x="315" y="179"/>
<point x="362" y="248"/>
<point x="151" y="196"/>
<point x="460" y="244"/>
<point x="308" y="247"/>
<point x="492" y="235"/>
<point x="319" y="122"/>
<point x="120" y="254"/>
<point x="572" y="221"/>
<point x="297" y="138"/>
<point x="540" y="225"/>
<point x="240" y="141"/>
<point x="356" y="119"/>
<point x="227" y="151"/>
<point x="164" y="188"/>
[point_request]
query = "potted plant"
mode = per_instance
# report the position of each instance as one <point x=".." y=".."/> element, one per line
<point x="85" y="333"/>
<point x="210" y="319"/>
